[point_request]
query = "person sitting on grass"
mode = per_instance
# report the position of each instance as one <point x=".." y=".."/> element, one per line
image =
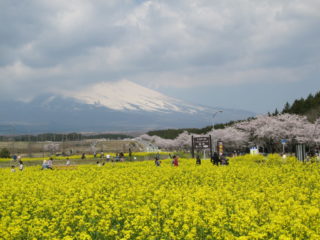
<point x="50" y="163"/>
<point x="44" y="164"/>
<point x="47" y="165"/>
<point x="224" y="160"/>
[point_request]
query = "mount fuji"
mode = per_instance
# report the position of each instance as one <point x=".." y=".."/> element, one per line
<point x="121" y="106"/>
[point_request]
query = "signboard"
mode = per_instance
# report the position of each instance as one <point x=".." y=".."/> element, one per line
<point x="201" y="143"/>
<point x="254" y="151"/>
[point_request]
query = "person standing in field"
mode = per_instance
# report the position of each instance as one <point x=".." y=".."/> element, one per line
<point x="21" y="165"/>
<point x="215" y="159"/>
<point x="121" y="155"/>
<point x="117" y="158"/>
<point x="175" y="161"/>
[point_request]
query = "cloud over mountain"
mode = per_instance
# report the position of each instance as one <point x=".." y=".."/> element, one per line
<point x="50" y="45"/>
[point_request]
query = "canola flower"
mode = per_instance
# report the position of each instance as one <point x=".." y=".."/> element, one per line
<point x="252" y="198"/>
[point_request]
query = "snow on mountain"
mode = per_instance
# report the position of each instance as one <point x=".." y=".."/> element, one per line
<point x="125" y="95"/>
<point x="118" y="106"/>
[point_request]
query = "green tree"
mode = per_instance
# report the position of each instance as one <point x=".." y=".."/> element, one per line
<point x="286" y="108"/>
<point x="4" y="153"/>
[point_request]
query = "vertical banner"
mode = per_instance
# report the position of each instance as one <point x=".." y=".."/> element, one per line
<point x="210" y="145"/>
<point x="192" y="146"/>
<point x="220" y="147"/>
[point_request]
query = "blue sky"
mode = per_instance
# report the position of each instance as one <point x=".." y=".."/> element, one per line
<point x="246" y="54"/>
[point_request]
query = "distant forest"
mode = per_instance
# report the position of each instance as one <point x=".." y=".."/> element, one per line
<point x="173" y="133"/>
<point x="58" y="137"/>
<point x="309" y="107"/>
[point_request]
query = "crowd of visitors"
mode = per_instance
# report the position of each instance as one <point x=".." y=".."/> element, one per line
<point x="216" y="159"/>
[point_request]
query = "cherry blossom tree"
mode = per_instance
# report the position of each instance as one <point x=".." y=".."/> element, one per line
<point x="263" y="131"/>
<point x="269" y="130"/>
<point x="51" y="147"/>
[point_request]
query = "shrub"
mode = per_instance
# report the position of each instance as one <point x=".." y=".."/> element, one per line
<point x="4" y="153"/>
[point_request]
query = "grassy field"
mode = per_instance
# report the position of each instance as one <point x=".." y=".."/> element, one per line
<point x="253" y="198"/>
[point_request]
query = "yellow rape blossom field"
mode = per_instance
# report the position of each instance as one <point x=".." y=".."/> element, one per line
<point x="252" y="198"/>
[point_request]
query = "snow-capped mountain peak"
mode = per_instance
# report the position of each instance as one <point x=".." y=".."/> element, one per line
<point x="125" y="95"/>
<point x="117" y="106"/>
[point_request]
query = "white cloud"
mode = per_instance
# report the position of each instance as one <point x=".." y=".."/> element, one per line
<point x="183" y="43"/>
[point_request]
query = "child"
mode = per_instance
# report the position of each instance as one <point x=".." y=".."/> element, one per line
<point x="44" y="164"/>
<point x="20" y="165"/>
<point x="175" y="161"/>
<point x="157" y="162"/>
<point x="13" y="169"/>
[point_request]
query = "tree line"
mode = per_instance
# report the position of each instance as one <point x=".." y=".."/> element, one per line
<point x="59" y="137"/>
<point x="174" y="133"/>
<point x="309" y="106"/>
